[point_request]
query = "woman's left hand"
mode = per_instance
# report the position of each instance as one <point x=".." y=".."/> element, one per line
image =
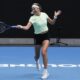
<point x="57" y="13"/>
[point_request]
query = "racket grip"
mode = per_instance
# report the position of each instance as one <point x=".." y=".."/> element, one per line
<point x="13" y="26"/>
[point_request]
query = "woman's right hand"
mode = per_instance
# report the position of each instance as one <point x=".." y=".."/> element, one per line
<point x="19" y="26"/>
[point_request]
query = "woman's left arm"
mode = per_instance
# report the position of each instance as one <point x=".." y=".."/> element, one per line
<point x="56" y="14"/>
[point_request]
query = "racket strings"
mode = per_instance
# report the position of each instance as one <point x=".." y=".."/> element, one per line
<point x="3" y="27"/>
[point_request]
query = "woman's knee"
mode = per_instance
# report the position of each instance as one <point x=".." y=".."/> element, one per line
<point x="44" y="51"/>
<point x="44" y="47"/>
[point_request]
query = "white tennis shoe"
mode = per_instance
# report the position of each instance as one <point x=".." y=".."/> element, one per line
<point x="38" y="65"/>
<point x="45" y="75"/>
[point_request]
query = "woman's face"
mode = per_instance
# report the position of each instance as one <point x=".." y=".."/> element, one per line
<point x="35" y="10"/>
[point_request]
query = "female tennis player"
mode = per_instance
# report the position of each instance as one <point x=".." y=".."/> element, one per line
<point x="39" y="21"/>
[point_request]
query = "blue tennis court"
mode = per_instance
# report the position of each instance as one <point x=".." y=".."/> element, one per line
<point x="17" y="63"/>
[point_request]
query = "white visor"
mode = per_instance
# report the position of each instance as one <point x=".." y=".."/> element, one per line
<point x="35" y="6"/>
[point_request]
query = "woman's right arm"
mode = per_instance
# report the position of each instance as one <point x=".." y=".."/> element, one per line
<point x="29" y="24"/>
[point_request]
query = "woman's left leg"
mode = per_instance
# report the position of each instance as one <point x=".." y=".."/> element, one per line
<point x="45" y="45"/>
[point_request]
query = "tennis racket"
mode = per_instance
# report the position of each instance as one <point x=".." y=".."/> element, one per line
<point x="4" y="27"/>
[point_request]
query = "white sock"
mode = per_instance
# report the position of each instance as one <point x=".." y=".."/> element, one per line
<point x="45" y="69"/>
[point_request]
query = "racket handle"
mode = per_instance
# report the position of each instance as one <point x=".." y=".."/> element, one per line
<point x="13" y="26"/>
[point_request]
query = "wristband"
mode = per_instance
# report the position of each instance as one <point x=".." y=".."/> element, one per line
<point x="55" y="17"/>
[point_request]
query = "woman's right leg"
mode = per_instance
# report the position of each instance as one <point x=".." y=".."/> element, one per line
<point x="37" y="52"/>
<point x="37" y="55"/>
